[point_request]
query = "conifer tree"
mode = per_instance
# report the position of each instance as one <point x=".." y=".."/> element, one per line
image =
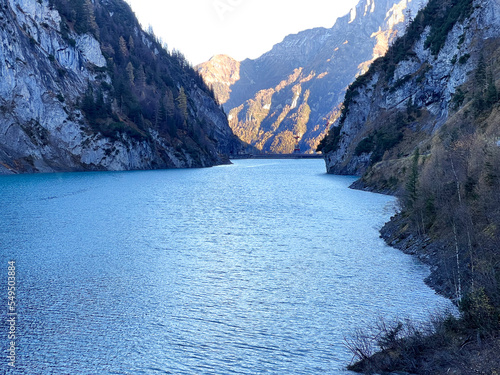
<point x="412" y="183"/>
<point x="131" y="44"/>
<point x="123" y="47"/>
<point x="130" y="73"/>
<point x="480" y="76"/>
<point x="169" y="104"/>
<point x="182" y="104"/>
<point x="89" y="18"/>
<point x="140" y="78"/>
<point x="491" y="92"/>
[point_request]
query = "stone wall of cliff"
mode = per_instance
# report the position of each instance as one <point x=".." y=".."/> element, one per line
<point x="410" y="94"/>
<point x="47" y="68"/>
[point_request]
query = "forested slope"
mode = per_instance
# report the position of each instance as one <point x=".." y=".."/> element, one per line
<point x="424" y="123"/>
<point x="85" y="88"/>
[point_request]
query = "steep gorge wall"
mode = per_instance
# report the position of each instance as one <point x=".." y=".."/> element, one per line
<point x="406" y="98"/>
<point x="47" y="68"/>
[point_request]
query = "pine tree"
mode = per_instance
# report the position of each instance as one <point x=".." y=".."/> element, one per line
<point x="491" y="92"/>
<point x="131" y="44"/>
<point x="88" y="104"/>
<point x="182" y="104"/>
<point x="140" y="78"/>
<point x="89" y="18"/>
<point x="159" y="114"/>
<point x="169" y="104"/>
<point x="123" y="47"/>
<point x="480" y="76"/>
<point x="412" y="183"/>
<point x="130" y="73"/>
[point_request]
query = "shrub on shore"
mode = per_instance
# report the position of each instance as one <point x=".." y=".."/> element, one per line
<point x="446" y="344"/>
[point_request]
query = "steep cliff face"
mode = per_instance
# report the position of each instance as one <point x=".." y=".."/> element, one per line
<point x="60" y="104"/>
<point x="407" y="96"/>
<point x="295" y="89"/>
<point x="424" y="123"/>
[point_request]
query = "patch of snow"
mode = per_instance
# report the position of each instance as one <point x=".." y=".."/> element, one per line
<point x="369" y="7"/>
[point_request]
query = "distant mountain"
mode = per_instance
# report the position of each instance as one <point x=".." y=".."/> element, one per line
<point x="296" y="89"/>
<point x="220" y="73"/>
<point x="83" y="87"/>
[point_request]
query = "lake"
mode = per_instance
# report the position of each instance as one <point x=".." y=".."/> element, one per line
<point x="263" y="266"/>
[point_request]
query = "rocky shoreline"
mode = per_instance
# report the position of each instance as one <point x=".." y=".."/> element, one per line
<point x="451" y="349"/>
<point x="396" y="233"/>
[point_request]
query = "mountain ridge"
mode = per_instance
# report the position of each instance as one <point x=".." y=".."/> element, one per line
<point x="296" y="88"/>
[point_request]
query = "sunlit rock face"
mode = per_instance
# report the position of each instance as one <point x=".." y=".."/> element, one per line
<point x="294" y="91"/>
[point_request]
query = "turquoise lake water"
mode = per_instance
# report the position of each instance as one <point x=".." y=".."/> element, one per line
<point x="263" y="266"/>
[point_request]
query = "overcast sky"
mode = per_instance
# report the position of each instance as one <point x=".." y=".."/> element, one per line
<point x="238" y="28"/>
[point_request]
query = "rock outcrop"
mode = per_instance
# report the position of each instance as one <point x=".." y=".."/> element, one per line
<point x="48" y="70"/>
<point x="407" y="96"/>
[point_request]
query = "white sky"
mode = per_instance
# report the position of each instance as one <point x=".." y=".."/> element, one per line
<point x="238" y="28"/>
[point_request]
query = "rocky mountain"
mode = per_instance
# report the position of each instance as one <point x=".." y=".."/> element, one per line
<point x="295" y="90"/>
<point x="83" y="87"/>
<point x="220" y="73"/>
<point x="407" y="96"/>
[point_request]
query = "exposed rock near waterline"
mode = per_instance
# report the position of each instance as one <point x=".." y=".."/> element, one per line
<point x="45" y="72"/>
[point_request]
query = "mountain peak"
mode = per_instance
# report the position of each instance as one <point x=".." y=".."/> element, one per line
<point x="220" y="73"/>
<point x="295" y="89"/>
<point x="221" y="58"/>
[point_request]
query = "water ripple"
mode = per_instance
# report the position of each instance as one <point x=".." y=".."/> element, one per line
<point x="258" y="267"/>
